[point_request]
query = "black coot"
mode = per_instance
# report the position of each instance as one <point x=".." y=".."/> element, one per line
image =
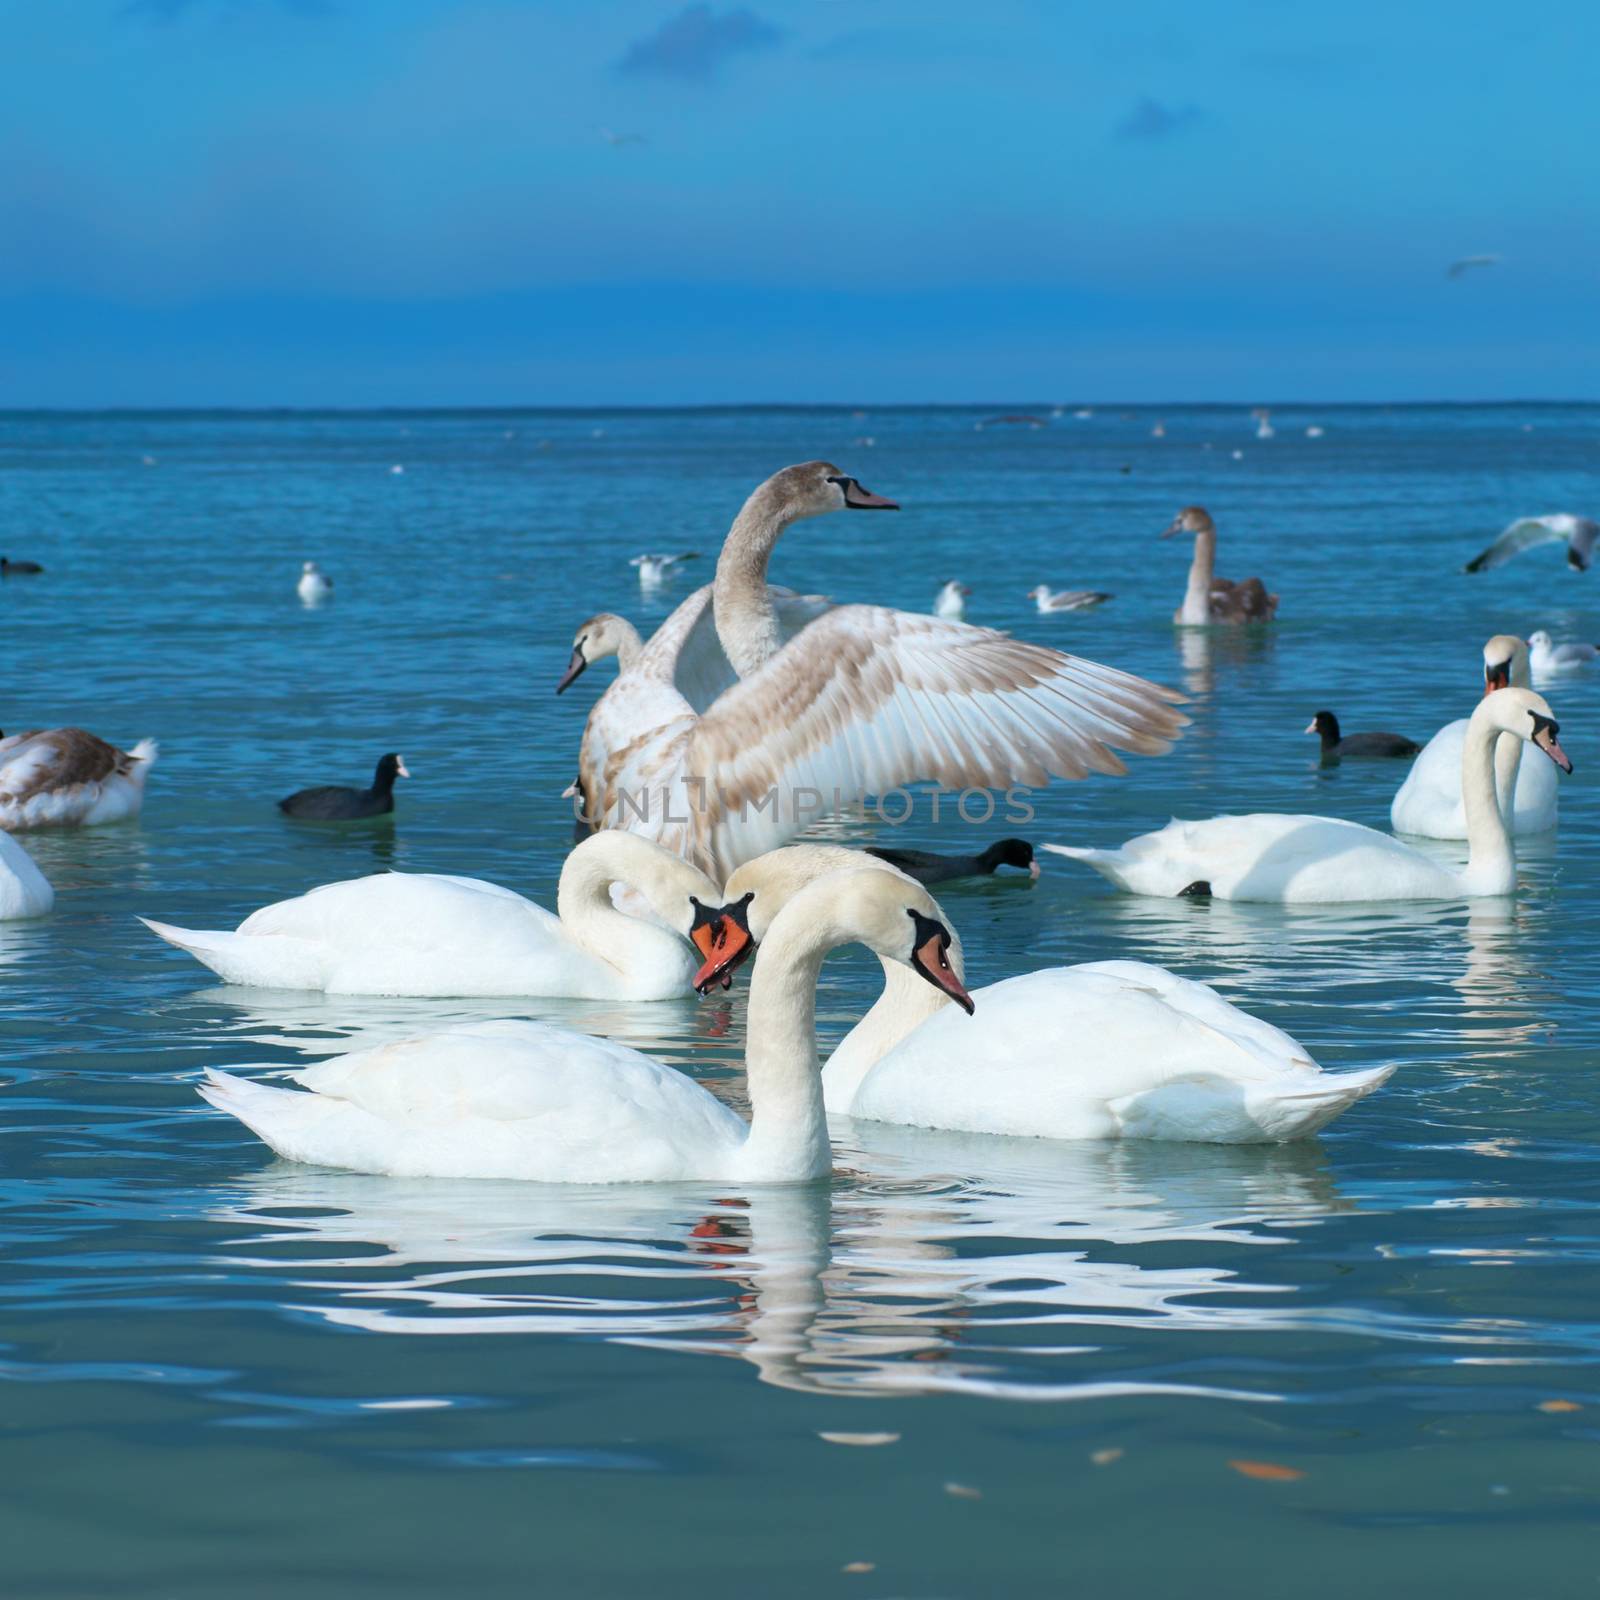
<point x="333" y="802"/>
<point x="926" y="867"/>
<point x="1326" y="726"/>
<point x="13" y="569"/>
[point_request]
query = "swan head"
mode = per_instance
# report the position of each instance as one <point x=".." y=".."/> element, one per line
<point x="1528" y="715"/>
<point x="1192" y="519"/>
<point x="601" y="636"/>
<point x="812" y="489"/>
<point x="894" y="916"/>
<point x="1502" y="657"/>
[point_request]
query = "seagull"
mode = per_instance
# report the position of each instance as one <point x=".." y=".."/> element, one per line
<point x="1545" y="656"/>
<point x="1264" y="428"/>
<point x="952" y="601"/>
<point x="1459" y="269"/>
<point x="1067" y="599"/>
<point x="1577" y="533"/>
<point x="653" y="569"/>
<point x="314" y="586"/>
<point x="617" y="140"/>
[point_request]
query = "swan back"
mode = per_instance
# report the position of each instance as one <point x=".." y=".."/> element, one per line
<point x="24" y="889"/>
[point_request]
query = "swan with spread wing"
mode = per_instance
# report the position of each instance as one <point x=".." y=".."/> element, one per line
<point x="860" y="700"/>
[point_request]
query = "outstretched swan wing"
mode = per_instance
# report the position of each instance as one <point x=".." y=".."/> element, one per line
<point x="868" y="698"/>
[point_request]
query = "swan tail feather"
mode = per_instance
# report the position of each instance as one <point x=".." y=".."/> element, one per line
<point x="294" y="1122"/>
<point x="1216" y="1111"/>
<point x="276" y="962"/>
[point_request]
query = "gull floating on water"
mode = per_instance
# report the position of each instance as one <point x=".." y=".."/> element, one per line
<point x="1067" y="599"/>
<point x="315" y="585"/>
<point x="1460" y="268"/>
<point x="1264" y="428"/>
<point x="1560" y="527"/>
<point x="1548" y="656"/>
<point x="951" y="602"/>
<point x="653" y="568"/>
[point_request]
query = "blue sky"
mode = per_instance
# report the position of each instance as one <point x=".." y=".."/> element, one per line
<point x="371" y="202"/>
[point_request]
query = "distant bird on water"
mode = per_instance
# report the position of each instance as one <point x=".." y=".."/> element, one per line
<point x="1460" y="268"/>
<point x="18" y="569"/>
<point x="334" y="803"/>
<point x="951" y="601"/>
<point x="1067" y="599"/>
<point x="1379" y="745"/>
<point x="315" y="585"/>
<point x="617" y="140"/>
<point x="926" y="867"/>
<point x="1560" y="527"/>
<point x="653" y="569"/>
<point x="1014" y="419"/>
<point x="1546" y="656"/>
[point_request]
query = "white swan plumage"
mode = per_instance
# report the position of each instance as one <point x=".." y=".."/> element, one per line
<point x="1307" y="859"/>
<point x="527" y="1101"/>
<point x="24" y="889"/>
<point x="1429" y="803"/>
<point x="1103" y="1050"/>
<point x="431" y="935"/>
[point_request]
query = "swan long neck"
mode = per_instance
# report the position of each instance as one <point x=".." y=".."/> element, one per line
<point x="788" y="1126"/>
<point x="747" y="623"/>
<point x="629" y="644"/>
<point x="906" y="1003"/>
<point x="1507" y="763"/>
<point x="629" y="944"/>
<point x="1491" y="858"/>
<point x="1197" y="596"/>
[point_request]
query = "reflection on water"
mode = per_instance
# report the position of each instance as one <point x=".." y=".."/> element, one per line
<point x="906" y="1275"/>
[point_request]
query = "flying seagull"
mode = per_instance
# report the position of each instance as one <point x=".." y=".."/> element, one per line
<point x="616" y="140"/>
<point x="1578" y="534"/>
<point x="1459" y="269"/>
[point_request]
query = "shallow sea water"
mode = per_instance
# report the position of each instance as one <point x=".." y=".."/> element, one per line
<point x="220" y="1373"/>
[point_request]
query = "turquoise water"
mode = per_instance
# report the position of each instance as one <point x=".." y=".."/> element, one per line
<point x="225" y="1374"/>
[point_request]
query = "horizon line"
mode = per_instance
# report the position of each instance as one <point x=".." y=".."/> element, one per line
<point x="847" y="407"/>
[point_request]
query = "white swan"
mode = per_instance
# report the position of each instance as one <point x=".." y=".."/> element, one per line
<point x="524" y="1100"/>
<point x="1429" y="804"/>
<point x="314" y="586"/>
<point x="24" y="889"/>
<point x="402" y="933"/>
<point x="64" y="777"/>
<point x="1547" y="656"/>
<point x="861" y="700"/>
<point x="951" y="601"/>
<point x="1321" y="859"/>
<point x="1578" y="534"/>
<point x="1111" y="1049"/>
